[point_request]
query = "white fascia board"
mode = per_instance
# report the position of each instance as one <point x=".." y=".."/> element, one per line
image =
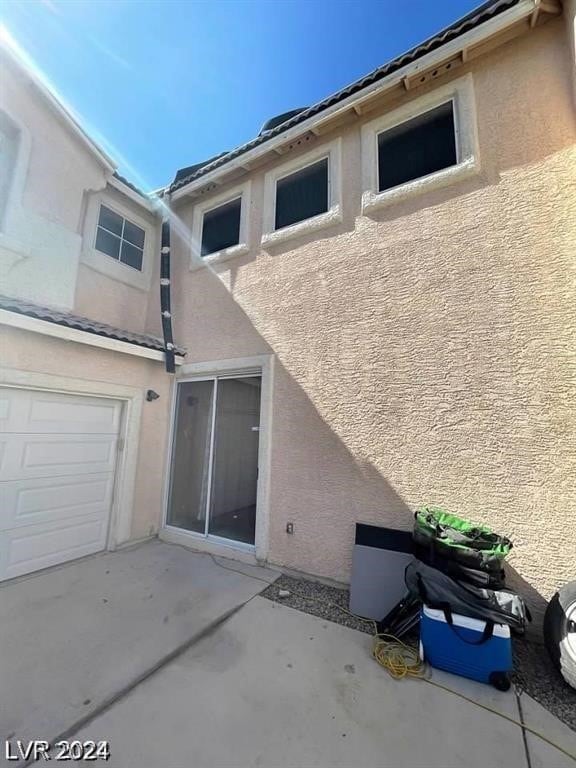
<point x="148" y="203"/>
<point x="46" y="328"/>
<point x="506" y="19"/>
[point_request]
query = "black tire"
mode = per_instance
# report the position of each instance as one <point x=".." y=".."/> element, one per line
<point x="500" y="681"/>
<point x="560" y="631"/>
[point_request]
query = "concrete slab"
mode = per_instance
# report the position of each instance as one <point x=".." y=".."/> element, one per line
<point x="73" y="636"/>
<point x="275" y="687"/>
<point x="543" y="755"/>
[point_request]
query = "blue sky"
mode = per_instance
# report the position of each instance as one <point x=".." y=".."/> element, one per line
<point x="169" y="83"/>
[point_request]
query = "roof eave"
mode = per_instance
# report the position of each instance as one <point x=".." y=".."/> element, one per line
<point x="525" y="9"/>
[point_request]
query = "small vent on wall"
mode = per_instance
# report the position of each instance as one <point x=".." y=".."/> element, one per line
<point x="421" y="78"/>
<point x="301" y="141"/>
<point x="206" y="189"/>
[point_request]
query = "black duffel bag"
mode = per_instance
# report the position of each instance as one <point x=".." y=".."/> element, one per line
<point x="438" y="590"/>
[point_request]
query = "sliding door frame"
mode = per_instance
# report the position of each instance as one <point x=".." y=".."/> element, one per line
<point x="261" y="365"/>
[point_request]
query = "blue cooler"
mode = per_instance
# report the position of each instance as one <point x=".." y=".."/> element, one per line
<point x="469" y="647"/>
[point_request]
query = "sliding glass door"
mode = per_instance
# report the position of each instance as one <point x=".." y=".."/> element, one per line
<point x="214" y="470"/>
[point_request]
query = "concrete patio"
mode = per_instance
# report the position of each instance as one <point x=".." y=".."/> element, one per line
<point x="176" y="661"/>
<point x="75" y="636"/>
<point x="276" y="687"/>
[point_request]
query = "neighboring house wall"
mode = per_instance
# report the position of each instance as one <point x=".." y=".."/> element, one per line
<point x="49" y="204"/>
<point x="48" y="217"/>
<point x="40" y="240"/>
<point x="425" y="351"/>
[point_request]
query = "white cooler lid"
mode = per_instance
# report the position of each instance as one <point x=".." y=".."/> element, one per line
<point x="500" y="630"/>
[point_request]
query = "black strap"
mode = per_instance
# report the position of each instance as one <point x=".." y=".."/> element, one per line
<point x="486" y="634"/>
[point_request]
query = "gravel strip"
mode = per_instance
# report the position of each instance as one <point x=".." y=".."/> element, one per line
<point x="534" y="672"/>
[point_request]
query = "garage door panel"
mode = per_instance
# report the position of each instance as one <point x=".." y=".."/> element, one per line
<point x="43" y="455"/>
<point x="57" y="474"/>
<point x="32" y="548"/>
<point x="46" y="500"/>
<point x="51" y="412"/>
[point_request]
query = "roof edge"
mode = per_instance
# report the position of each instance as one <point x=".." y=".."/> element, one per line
<point x="504" y="13"/>
<point x="24" y="63"/>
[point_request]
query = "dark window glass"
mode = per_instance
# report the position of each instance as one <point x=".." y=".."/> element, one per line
<point x="221" y="227"/>
<point x="119" y="238"/>
<point x="110" y="220"/>
<point x="108" y="243"/>
<point x="133" y="234"/>
<point x="420" y="146"/>
<point x="131" y="255"/>
<point x="302" y="194"/>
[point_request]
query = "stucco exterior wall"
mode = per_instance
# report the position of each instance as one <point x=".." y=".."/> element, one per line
<point x="426" y="352"/>
<point x="99" y="293"/>
<point x="30" y="352"/>
<point x="50" y="219"/>
<point x="40" y="240"/>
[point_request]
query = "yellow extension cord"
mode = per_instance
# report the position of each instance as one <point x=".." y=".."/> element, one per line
<point x="402" y="661"/>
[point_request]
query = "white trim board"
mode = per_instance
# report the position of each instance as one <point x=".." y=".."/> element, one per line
<point x="46" y="328"/>
<point x="127" y="460"/>
<point x="150" y="204"/>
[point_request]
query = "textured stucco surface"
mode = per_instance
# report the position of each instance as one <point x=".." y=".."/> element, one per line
<point x="25" y="351"/>
<point x="426" y="353"/>
<point x="40" y="260"/>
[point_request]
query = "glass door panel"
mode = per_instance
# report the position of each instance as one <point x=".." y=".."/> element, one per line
<point x="235" y="460"/>
<point x="191" y="456"/>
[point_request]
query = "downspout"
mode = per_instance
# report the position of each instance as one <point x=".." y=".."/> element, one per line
<point x="165" y="304"/>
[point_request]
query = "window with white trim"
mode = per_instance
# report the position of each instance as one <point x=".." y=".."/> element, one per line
<point x="302" y="195"/>
<point x="427" y="143"/>
<point x="221" y="227"/>
<point x="120" y="238"/>
<point x="417" y="147"/>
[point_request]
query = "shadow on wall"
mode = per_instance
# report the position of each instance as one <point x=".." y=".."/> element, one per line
<point x="324" y="477"/>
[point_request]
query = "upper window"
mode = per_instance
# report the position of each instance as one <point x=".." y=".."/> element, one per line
<point x="221" y="227"/>
<point x="424" y="144"/>
<point x="302" y="195"/>
<point x="420" y="146"/>
<point x="119" y="238"/>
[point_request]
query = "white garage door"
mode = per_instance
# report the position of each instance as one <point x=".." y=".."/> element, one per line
<point x="57" y="464"/>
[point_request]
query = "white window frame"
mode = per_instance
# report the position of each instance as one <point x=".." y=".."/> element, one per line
<point x="461" y="93"/>
<point x="243" y="191"/>
<point x="108" y="265"/>
<point x="119" y="237"/>
<point x="333" y="215"/>
<point x="261" y="365"/>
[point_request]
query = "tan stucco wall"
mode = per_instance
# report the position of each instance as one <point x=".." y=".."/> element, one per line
<point x="40" y="238"/>
<point x="426" y="352"/>
<point x="31" y="352"/>
<point x="105" y="298"/>
<point x="51" y="216"/>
